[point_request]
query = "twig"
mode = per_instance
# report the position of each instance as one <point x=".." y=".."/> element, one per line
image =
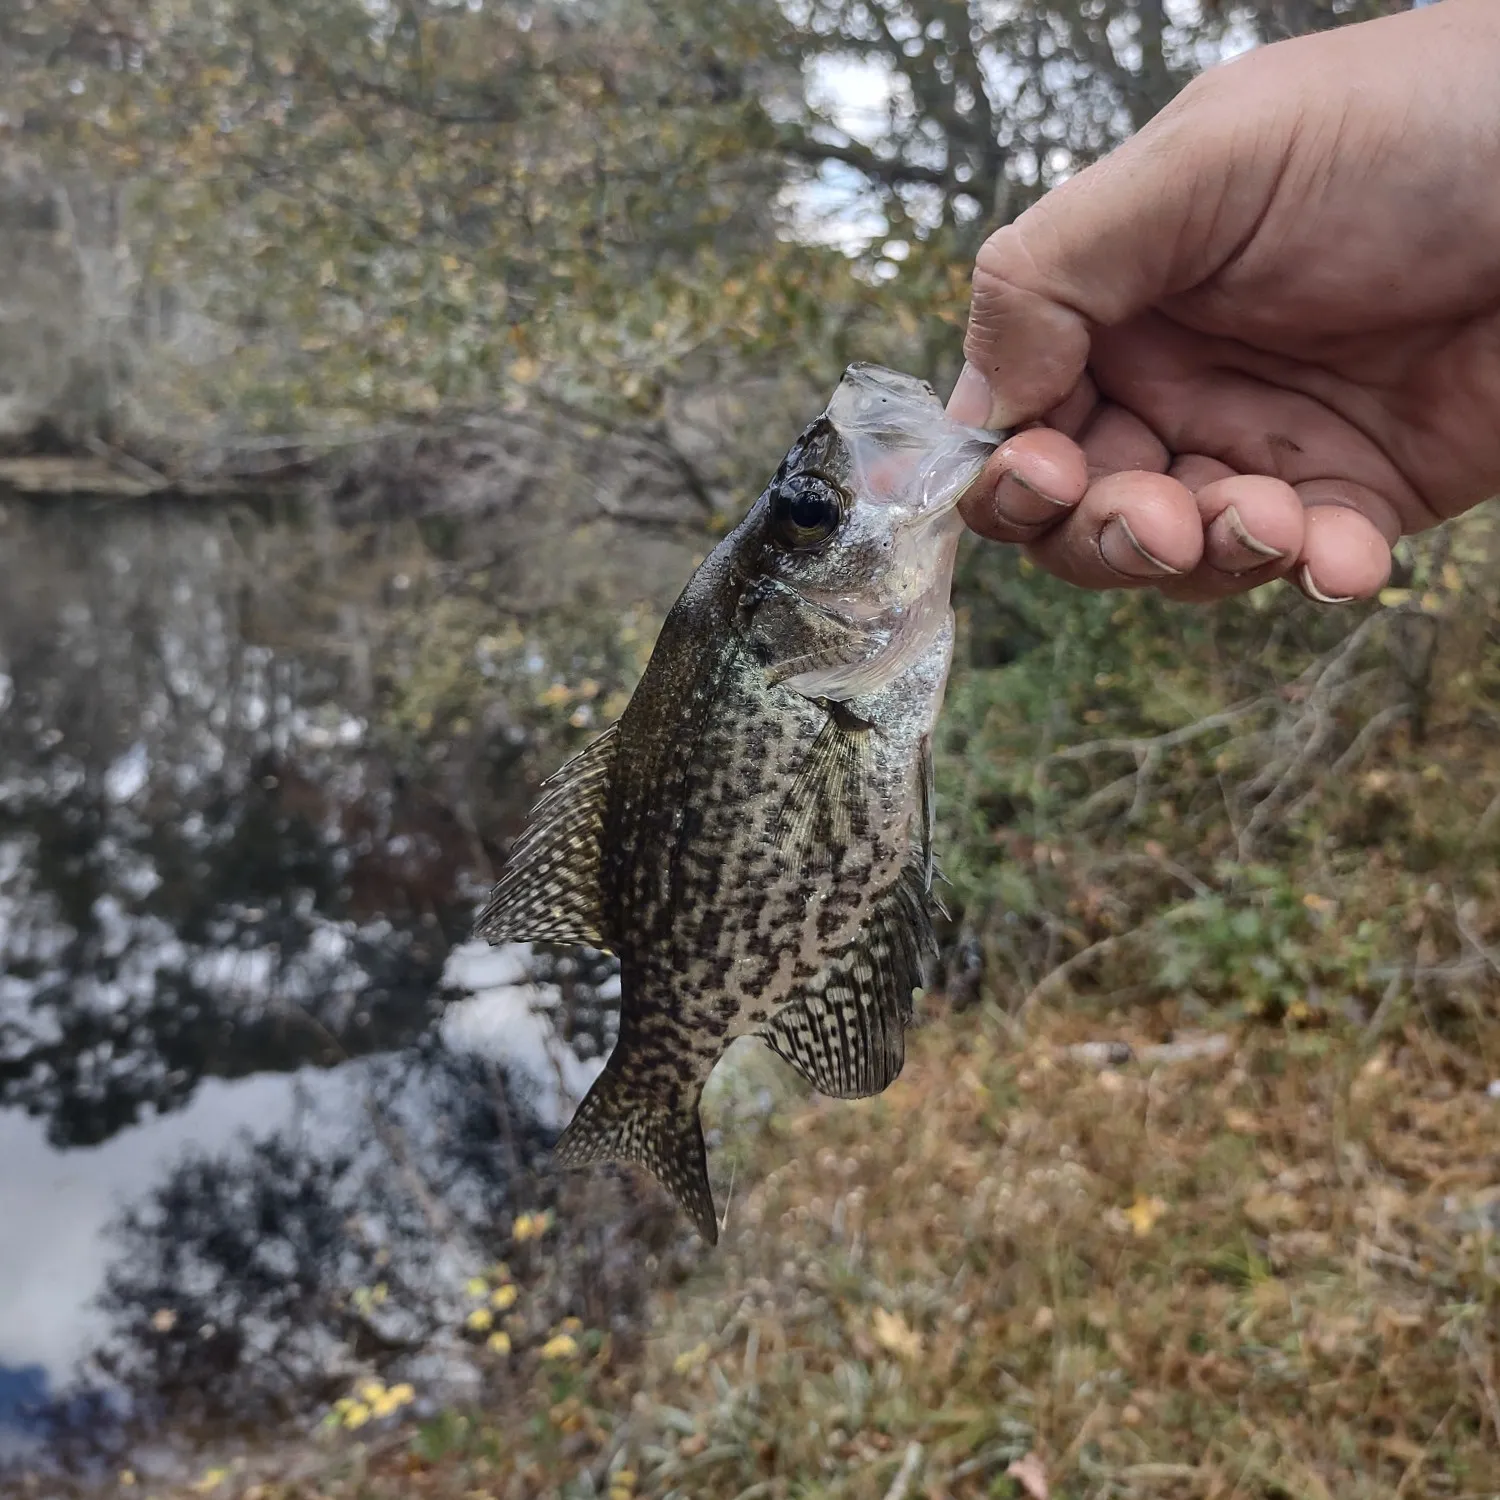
<point x="1140" y="746"/>
<point x="1160" y="862"/>
<point x="1361" y="742"/>
<point x="1481" y="1369"/>
<point x="143" y="473"/>
<point x="1414" y="1467"/>
<point x="1059" y="976"/>
<point x="1472" y="939"/>
<point x="904" y="1475"/>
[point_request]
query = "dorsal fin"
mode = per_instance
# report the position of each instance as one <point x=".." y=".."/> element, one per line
<point x="549" y="891"/>
<point x="846" y="1032"/>
<point x="619" y="1120"/>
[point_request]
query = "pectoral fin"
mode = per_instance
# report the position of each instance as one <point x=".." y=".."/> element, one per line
<point x="846" y="1033"/>
<point x="827" y="807"/>
<point x="926" y="827"/>
<point x="549" y="891"/>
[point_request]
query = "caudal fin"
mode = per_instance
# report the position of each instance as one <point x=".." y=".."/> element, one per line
<point x="618" y="1121"/>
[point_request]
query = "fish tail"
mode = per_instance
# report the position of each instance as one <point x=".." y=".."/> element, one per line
<point x="619" y="1120"/>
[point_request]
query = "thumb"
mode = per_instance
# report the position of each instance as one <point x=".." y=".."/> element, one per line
<point x="1148" y="220"/>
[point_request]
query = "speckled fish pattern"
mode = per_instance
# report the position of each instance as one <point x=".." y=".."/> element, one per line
<point x="759" y="858"/>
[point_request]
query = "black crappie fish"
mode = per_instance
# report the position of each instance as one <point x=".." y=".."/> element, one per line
<point x="753" y="837"/>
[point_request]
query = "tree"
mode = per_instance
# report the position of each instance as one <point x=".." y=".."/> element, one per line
<point x="428" y="206"/>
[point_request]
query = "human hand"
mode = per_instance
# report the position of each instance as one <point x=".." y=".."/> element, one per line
<point x="1264" y="334"/>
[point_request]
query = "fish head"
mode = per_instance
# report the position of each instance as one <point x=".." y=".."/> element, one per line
<point x="853" y="542"/>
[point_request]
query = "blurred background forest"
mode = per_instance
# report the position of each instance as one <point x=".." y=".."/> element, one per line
<point x="372" y="375"/>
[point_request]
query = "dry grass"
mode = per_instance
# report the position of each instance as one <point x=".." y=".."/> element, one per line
<point x="1267" y="1268"/>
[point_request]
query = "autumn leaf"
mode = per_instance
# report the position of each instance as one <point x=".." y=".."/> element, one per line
<point x="894" y="1334"/>
<point x="1143" y="1214"/>
<point x="1031" y="1474"/>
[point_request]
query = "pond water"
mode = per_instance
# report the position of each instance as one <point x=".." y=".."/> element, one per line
<point x="250" y="1067"/>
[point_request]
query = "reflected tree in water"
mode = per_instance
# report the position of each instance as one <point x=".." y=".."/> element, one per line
<point x="255" y="1284"/>
<point x="207" y="866"/>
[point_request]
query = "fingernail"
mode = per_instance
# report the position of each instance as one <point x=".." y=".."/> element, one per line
<point x="1313" y="592"/>
<point x="973" y="404"/>
<point x="1123" y="554"/>
<point x="970" y="402"/>
<point x="1237" y="551"/>
<point x="1021" y="503"/>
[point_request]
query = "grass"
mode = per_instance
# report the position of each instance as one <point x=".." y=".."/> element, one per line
<point x="1262" y="1264"/>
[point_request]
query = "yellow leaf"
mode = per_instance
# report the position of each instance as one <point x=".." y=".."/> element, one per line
<point x="893" y="1333"/>
<point x="356" y="1415"/>
<point x="1143" y="1214"/>
<point x="563" y="1346"/>
<point x="476" y="1286"/>
<point x="498" y="1343"/>
<point x="479" y="1320"/>
<point x="531" y="1226"/>
<point x="503" y="1298"/>
<point x="1390" y="598"/>
<point x="211" y="1480"/>
<point x="690" y="1359"/>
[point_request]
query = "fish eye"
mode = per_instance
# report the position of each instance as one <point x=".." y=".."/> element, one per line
<point x="806" y="509"/>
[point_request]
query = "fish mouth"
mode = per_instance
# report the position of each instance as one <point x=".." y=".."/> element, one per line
<point x="903" y="448"/>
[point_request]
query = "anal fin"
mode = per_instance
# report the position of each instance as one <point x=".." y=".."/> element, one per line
<point x="846" y="1032"/>
<point x="620" y="1121"/>
<point x="549" y="891"/>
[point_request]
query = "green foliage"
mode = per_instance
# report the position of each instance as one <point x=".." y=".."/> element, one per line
<point x="1265" y="946"/>
<point x="444" y="1436"/>
<point x="1225" y="806"/>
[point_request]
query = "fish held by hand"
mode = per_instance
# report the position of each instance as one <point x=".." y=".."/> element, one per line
<point x="753" y="837"/>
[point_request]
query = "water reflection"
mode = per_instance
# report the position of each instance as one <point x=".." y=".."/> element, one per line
<point x="201" y="872"/>
<point x="226" y="921"/>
